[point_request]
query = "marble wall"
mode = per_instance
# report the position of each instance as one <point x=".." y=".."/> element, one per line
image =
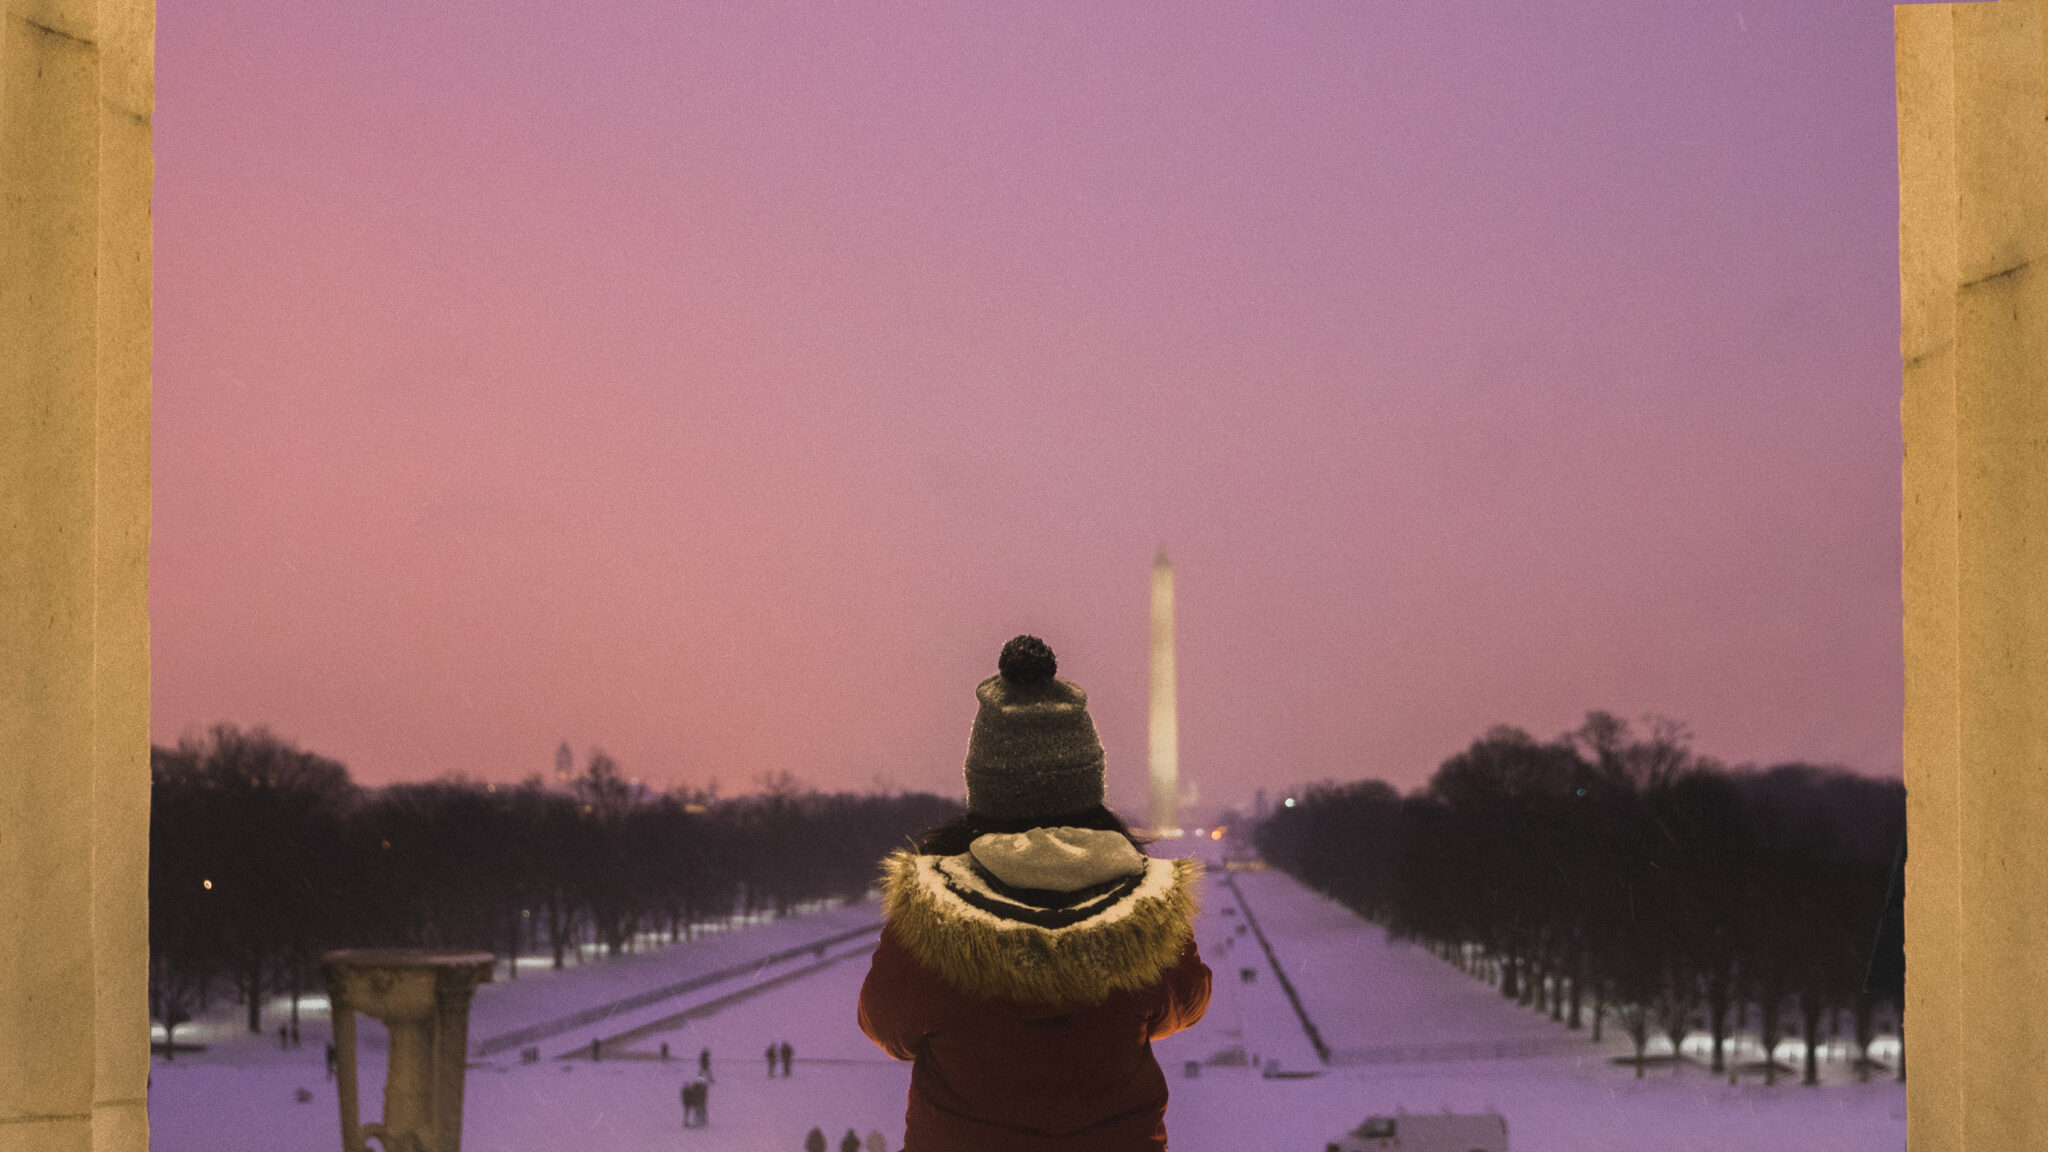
<point x="1973" y="234"/>
<point x="76" y="90"/>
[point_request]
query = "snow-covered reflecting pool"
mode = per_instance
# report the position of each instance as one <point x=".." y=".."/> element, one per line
<point x="1362" y="993"/>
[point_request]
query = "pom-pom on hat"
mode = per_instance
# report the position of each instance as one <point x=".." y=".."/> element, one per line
<point x="1033" y="752"/>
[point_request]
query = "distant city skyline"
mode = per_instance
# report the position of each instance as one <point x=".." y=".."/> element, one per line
<point x="722" y="386"/>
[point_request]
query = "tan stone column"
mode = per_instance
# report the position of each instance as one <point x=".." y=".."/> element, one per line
<point x="1973" y="230"/>
<point x="75" y="172"/>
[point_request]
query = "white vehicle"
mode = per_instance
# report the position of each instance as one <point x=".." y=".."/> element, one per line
<point x="1427" y="1132"/>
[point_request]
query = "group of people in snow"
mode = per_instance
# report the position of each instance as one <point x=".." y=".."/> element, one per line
<point x="697" y="1093"/>
<point x="851" y="1142"/>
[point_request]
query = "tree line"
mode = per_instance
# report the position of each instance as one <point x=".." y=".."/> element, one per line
<point x="1616" y="870"/>
<point x="263" y="856"/>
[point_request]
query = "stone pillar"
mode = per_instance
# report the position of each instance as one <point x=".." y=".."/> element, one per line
<point x="423" y="999"/>
<point x="1973" y="263"/>
<point x="1164" y="732"/>
<point x="75" y="176"/>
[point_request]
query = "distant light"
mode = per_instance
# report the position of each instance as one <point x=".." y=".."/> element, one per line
<point x="1289" y="802"/>
<point x="490" y="787"/>
<point x="387" y="843"/>
<point x="1216" y="834"/>
<point x="206" y="884"/>
<point x="526" y="913"/>
<point x="693" y="809"/>
<point x="1582" y="791"/>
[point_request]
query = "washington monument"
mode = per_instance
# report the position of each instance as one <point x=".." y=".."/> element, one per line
<point x="1165" y="729"/>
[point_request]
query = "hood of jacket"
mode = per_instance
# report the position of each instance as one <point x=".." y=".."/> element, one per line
<point x="1047" y="917"/>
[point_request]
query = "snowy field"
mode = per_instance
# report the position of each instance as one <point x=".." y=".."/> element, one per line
<point x="1365" y="996"/>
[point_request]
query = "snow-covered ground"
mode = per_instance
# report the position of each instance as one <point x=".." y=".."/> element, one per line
<point x="1362" y="993"/>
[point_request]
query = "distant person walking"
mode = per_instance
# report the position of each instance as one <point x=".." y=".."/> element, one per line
<point x="877" y="1142"/>
<point x="704" y="1065"/>
<point x="785" y="1052"/>
<point x="771" y="1061"/>
<point x="1031" y="950"/>
<point x="696" y="1104"/>
<point x="815" y="1142"/>
<point x="333" y="1059"/>
<point x="849" y="1142"/>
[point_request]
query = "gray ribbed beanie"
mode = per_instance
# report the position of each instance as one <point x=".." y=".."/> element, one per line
<point x="1033" y="751"/>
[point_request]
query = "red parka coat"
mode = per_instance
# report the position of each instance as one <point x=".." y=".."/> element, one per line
<point x="1030" y="1013"/>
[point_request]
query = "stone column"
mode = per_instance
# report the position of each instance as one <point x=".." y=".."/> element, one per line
<point x="1973" y="261"/>
<point x="75" y="176"/>
<point x="1164" y="732"/>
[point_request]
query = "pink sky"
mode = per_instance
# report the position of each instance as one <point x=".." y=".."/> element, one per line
<point x="722" y="385"/>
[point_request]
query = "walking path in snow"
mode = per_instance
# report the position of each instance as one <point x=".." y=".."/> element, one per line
<point x="543" y="998"/>
<point x="674" y="1020"/>
<point x="612" y="1010"/>
<point x="1308" y="1026"/>
<point x="1366" y="991"/>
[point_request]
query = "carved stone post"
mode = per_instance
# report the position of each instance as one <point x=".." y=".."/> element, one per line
<point x="423" y="999"/>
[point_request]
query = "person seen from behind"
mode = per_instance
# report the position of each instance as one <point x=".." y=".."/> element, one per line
<point x="1031" y="950"/>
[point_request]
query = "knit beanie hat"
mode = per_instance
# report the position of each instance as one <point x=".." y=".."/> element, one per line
<point x="1033" y="751"/>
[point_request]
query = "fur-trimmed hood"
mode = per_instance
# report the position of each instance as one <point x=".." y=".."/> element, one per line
<point x="988" y="938"/>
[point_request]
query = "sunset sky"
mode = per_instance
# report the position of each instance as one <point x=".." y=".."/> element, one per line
<point x="721" y="385"/>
